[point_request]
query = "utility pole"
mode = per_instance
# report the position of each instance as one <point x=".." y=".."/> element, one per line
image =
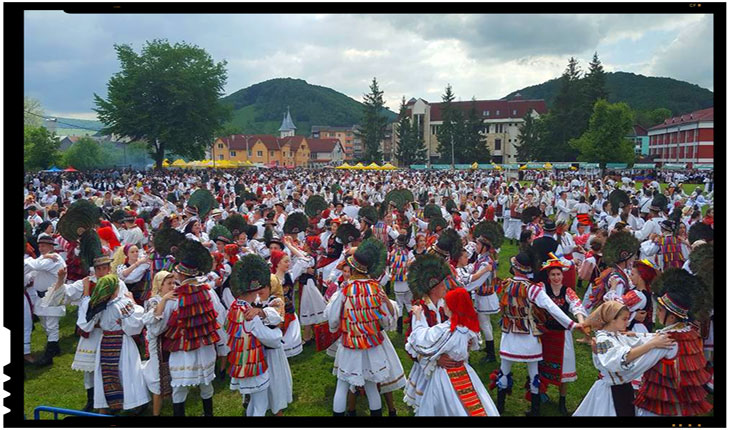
<point x="452" y="151"/>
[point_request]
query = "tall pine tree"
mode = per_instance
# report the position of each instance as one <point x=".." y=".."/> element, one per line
<point x="447" y="130"/>
<point x="531" y="138"/>
<point x="475" y="145"/>
<point x="569" y="118"/>
<point x="373" y="124"/>
<point x="595" y="82"/>
<point x="411" y="149"/>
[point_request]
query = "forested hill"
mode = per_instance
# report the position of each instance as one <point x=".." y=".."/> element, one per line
<point x="259" y="108"/>
<point x="638" y="91"/>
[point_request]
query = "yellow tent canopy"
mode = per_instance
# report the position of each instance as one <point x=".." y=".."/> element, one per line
<point x="179" y="163"/>
<point x="344" y="166"/>
<point x="226" y="164"/>
<point x="548" y="165"/>
<point x="358" y="166"/>
<point x="165" y="163"/>
<point x="388" y="166"/>
<point x="475" y="165"/>
<point x="523" y="167"/>
<point x="373" y="166"/>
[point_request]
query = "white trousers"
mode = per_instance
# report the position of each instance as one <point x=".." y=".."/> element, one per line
<point x="506" y="368"/>
<point x="258" y="404"/>
<point x="27" y="326"/>
<point x="179" y="394"/>
<point x="50" y="325"/>
<point x="88" y="380"/>
<point x="485" y="324"/>
<point x="371" y="389"/>
<point x="404" y="298"/>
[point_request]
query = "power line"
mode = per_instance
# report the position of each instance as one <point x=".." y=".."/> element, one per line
<point x="61" y="122"/>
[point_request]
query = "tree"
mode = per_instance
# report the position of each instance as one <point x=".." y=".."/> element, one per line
<point x="475" y="146"/>
<point x="41" y="147"/>
<point x="410" y="149"/>
<point x="32" y="112"/>
<point x="168" y="96"/>
<point x="85" y="154"/>
<point x="447" y="130"/>
<point x="595" y="82"/>
<point x="605" y="140"/>
<point x="373" y="124"/>
<point x="531" y="145"/>
<point x="569" y="117"/>
<point x="650" y="118"/>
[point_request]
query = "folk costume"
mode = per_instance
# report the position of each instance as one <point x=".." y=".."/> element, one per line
<point x="139" y="281"/>
<point x="192" y="328"/>
<point x="558" y="362"/>
<point x="456" y="390"/>
<point x="284" y="289"/>
<point x="156" y="369"/>
<point x="675" y="386"/>
<point x="613" y="282"/>
<point x="425" y="274"/>
<point x="522" y="323"/>
<point x="398" y="265"/>
<point x="118" y="380"/>
<point x="250" y="370"/>
<point x="358" y="312"/>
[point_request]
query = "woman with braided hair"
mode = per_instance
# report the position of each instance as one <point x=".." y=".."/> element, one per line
<point x="619" y="357"/>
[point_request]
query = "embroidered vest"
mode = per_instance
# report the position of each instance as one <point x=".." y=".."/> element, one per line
<point x="562" y="301"/>
<point x="671" y="252"/>
<point x="428" y="313"/>
<point x="193" y="324"/>
<point x="488" y="287"/>
<point x="247" y="357"/>
<point x="361" y="315"/>
<point x="517" y="310"/>
<point x="676" y="387"/>
<point x="398" y="265"/>
<point x="380" y="231"/>
<point x="288" y="287"/>
<point x="601" y="285"/>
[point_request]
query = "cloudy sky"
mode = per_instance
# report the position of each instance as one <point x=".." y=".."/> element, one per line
<point x="68" y="58"/>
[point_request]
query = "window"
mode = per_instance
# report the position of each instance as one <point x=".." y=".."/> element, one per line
<point x="514" y="111"/>
<point x="249" y="152"/>
<point x="220" y="146"/>
<point x="260" y="153"/>
<point x="497" y="113"/>
<point x="486" y="113"/>
<point x="220" y="157"/>
<point x="498" y="145"/>
<point x="271" y="153"/>
<point x="233" y="153"/>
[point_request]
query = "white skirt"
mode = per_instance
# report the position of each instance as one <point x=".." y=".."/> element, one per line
<point x="512" y="228"/>
<point x="569" y="371"/>
<point x="151" y="368"/>
<point x="130" y="372"/>
<point x="85" y="357"/>
<point x="192" y="368"/>
<point x="293" y="338"/>
<point x="440" y="397"/>
<point x="598" y="402"/>
<point x="311" y="308"/>
<point x="486" y="304"/>
<point x="251" y="385"/>
<point x="519" y="347"/>
<point x="413" y="393"/>
<point x="332" y="351"/>
<point x="280" y="388"/>
<point x="355" y="366"/>
<point x="396" y="376"/>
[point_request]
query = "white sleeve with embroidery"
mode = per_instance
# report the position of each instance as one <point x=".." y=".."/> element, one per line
<point x="537" y="295"/>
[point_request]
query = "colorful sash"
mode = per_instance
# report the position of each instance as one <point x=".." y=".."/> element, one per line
<point x="464" y="388"/>
<point x="111" y="349"/>
<point x="398" y="265"/>
<point x="323" y="337"/>
<point x="671" y="251"/>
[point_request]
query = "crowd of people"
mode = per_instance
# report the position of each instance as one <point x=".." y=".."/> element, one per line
<point x="179" y="277"/>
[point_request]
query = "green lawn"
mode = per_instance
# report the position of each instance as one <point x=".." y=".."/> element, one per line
<point x="314" y="383"/>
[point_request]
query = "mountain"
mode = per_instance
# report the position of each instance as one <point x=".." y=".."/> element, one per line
<point x="260" y="108"/>
<point x="638" y="91"/>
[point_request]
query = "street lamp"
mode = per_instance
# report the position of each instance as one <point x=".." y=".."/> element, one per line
<point x="452" y="152"/>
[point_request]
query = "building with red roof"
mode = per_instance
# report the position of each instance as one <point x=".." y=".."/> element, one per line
<point x="501" y="119"/>
<point x="687" y="138"/>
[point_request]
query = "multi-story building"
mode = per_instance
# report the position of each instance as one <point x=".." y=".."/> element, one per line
<point x="687" y="138"/>
<point x="640" y="138"/>
<point x="325" y="152"/>
<point x="346" y="136"/>
<point x="501" y="119"/>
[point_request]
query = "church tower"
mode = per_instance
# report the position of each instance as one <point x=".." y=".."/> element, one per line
<point x="287" y="125"/>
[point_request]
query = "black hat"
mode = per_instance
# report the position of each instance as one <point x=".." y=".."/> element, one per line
<point x="295" y="223"/>
<point x="250" y="273"/>
<point x="402" y="240"/>
<point x="219" y="232"/>
<point x="46" y="238"/>
<point x="667" y="225"/>
<point x="275" y="239"/>
<point x="193" y="258"/>
<point x="521" y="262"/>
<point x="619" y="247"/>
<point x="425" y="273"/>
<point x="369" y="258"/>
<point x="549" y="226"/>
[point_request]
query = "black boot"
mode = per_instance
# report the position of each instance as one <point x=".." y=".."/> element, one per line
<point x="400" y="325"/>
<point x="392" y="413"/>
<point x="561" y="407"/>
<point x="178" y="409"/>
<point x="489" y="351"/>
<point x="208" y="407"/>
<point x="501" y="397"/>
<point x="53" y="349"/>
<point x="534" y="406"/>
<point x="89" y="400"/>
<point x="376" y="412"/>
<point x="44" y="360"/>
<point x="338" y="414"/>
<point x="352" y="413"/>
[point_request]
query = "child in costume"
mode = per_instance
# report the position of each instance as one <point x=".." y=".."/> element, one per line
<point x="675" y="386"/>
<point x="454" y="390"/>
<point x="118" y="380"/>
<point x="360" y="310"/>
<point x="619" y="357"/>
<point x="192" y="327"/>
<point x="252" y="326"/>
<point x="156" y="370"/>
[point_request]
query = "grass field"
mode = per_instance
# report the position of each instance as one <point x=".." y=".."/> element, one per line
<point x="314" y="383"/>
